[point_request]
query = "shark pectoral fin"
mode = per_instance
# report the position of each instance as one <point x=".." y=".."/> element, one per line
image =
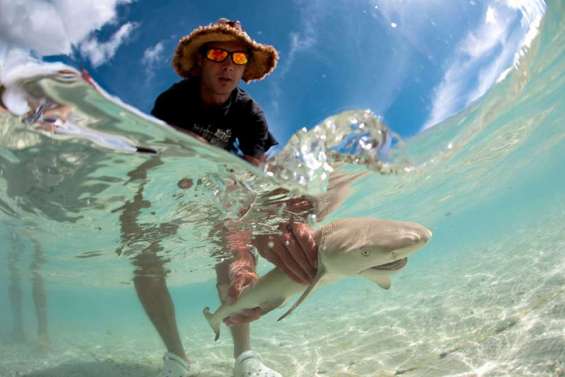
<point x="381" y="279"/>
<point x="383" y="282"/>
<point x="321" y="272"/>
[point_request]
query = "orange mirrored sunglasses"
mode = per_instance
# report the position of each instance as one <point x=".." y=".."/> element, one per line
<point x="218" y="55"/>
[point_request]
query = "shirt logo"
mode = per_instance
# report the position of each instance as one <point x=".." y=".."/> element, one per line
<point x="223" y="135"/>
<point x="217" y="137"/>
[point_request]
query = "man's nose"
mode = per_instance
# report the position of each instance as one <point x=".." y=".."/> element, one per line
<point x="228" y="63"/>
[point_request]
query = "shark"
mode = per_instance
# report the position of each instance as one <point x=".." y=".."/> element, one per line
<point x="363" y="246"/>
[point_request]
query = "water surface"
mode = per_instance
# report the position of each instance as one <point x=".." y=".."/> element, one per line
<point x="486" y="297"/>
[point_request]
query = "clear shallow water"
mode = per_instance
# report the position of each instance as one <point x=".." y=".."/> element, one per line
<point x="486" y="297"/>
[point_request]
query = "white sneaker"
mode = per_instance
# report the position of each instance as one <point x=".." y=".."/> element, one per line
<point x="174" y="366"/>
<point x="249" y="364"/>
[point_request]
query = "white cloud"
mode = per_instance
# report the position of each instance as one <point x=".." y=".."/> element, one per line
<point x="312" y="11"/>
<point x="486" y="36"/>
<point x="33" y="25"/>
<point x="496" y="38"/>
<point x="532" y="13"/>
<point x="50" y="27"/>
<point x="82" y="17"/>
<point x="153" y="56"/>
<point x="489" y="74"/>
<point x="100" y="52"/>
<point x="299" y="42"/>
<point x="409" y="18"/>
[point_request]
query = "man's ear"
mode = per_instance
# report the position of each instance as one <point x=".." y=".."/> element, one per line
<point x="197" y="68"/>
<point x="199" y="59"/>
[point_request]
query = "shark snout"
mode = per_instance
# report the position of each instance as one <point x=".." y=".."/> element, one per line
<point x="407" y="239"/>
<point x="420" y="235"/>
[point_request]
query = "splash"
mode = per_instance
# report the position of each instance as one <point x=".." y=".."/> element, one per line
<point x="356" y="138"/>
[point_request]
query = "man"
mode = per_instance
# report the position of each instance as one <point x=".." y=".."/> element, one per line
<point x="208" y="105"/>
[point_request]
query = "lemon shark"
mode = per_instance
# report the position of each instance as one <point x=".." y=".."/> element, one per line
<point x="369" y="247"/>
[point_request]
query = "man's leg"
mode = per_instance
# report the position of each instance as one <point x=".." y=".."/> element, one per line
<point x="240" y="333"/>
<point x="241" y="339"/>
<point x="15" y="294"/>
<point x="149" y="279"/>
<point x="247" y="362"/>
<point x="151" y="288"/>
<point x="39" y="296"/>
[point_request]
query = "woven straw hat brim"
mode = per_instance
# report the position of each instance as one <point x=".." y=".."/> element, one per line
<point x="263" y="57"/>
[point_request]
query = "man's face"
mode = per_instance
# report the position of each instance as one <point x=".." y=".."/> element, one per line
<point x="223" y="77"/>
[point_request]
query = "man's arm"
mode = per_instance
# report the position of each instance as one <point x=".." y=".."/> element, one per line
<point x="256" y="161"/>
<point x="295" y="250"/>
<point x="254" y="138"/>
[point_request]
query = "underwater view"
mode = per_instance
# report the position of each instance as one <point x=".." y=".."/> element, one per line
<point x="88" y="183"/>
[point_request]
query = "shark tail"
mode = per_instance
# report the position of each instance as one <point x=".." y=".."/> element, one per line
<point x="213" y="321"/>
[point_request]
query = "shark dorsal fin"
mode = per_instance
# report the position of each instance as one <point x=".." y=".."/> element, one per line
<point x="321" y="273"/>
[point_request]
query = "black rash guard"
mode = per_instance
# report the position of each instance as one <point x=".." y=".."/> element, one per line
<point x="238" y="126"/>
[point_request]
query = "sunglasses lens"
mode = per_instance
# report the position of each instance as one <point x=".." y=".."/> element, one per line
<point x="240" y="58"/>
<point x="217" y="55"/>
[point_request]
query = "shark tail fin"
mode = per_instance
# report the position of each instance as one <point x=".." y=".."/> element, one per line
<point x="304" y="295"/>
<point x="213" y="321"/>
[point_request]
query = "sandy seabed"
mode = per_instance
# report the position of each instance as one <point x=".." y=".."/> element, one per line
<point x="492" y="312"/>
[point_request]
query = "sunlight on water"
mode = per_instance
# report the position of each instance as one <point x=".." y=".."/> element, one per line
<point x="87" y="183"/>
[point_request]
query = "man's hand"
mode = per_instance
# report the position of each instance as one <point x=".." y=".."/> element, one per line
<point x="295" y="251"/>
<point x="299" y="205"/>
<point x="241" y="275"/>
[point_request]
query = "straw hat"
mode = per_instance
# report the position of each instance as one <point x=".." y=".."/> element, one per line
<point x="263" y="57"/>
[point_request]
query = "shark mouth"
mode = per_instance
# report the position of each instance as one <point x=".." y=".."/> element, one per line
<point x="393" y="266"/>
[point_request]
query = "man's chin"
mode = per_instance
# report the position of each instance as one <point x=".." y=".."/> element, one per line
<point x="226" y="85"/>
<point x="225" y="91"/>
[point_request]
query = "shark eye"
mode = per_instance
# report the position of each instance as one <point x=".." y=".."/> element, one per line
<point x="365" y="253"/>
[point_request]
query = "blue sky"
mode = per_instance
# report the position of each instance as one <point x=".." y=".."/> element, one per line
<point x="414" y="62"/>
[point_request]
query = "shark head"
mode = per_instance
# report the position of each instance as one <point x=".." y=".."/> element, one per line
<point x="369" y="246"/>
